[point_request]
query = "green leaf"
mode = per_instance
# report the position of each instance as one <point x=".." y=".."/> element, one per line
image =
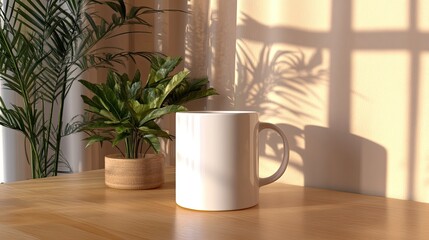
<point x="152" y="97"/>
<point x="159" y="112"/>
<point x="91" y="103"/>
<point x="96" y="124"/>
<point x="119" y="137"/>
<point x="153" y="142"/>
<point x="138" y="109"/>
<point x="189" y="90"/>
<point x="156" y="132"/>
<point x="94" y="88"/>
<point x="122" y="128"/>
<point x="94" y="139"/>
<point x="133" y="12"/>
<point x="194" y="96"/>
<point x="108" y="115"/>
<point x="134" y="90"/>
<point x="161" y="67"/>
<point x="111" y="83"/>
<point x="175" y="81"/>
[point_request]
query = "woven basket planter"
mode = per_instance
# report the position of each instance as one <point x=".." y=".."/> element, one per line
<point x="139" y="173"/>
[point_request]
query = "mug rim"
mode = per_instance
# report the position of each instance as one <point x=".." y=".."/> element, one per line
<point x="223" y="112"/>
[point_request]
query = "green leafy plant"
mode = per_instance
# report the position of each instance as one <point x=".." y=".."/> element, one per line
<point x="45" y="45"/>
<point x="123" y="109"/>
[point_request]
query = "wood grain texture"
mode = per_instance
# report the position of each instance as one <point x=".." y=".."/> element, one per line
<point x="79" y="206"/>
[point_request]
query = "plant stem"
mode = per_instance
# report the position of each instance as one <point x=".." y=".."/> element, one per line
<point x="31" y="121"/>
<point x="137" y="147"/>
<point x="136" y="144"/>
<point x="60" y="123"/>
<point x="147" y="149"/>
<point x="128" y="144"/>
<point x="47" y="135"/>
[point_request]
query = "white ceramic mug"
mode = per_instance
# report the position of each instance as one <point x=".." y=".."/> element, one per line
<point x="217" y="159"/>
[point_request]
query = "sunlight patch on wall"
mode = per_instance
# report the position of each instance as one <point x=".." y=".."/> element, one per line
<point x="380" y="109"/>
<point x="305" y="14"/>
<point x="423" y="15"/>
<point x="370" y="15"/>
<point x="421" y="178"/>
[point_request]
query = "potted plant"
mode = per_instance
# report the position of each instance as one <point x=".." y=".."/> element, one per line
<point x="125" y="110"/>
<point x="44" y="47"/>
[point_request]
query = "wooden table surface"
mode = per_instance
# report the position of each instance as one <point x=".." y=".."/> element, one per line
<point x="79" y="206"/>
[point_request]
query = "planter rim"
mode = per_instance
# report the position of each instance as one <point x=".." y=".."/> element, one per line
<point x="119" y="156"/>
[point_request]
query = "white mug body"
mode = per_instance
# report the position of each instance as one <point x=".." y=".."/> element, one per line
<point x="217" y="160"/>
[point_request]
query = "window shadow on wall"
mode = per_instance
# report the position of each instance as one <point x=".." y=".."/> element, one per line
<point x="328" y="157"/>
<point x="261" y="67"/>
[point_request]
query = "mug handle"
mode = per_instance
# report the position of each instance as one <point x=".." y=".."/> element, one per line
<point x="285" y="161"/>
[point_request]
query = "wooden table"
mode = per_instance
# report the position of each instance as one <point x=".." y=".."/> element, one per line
<point x="79" y="206"/>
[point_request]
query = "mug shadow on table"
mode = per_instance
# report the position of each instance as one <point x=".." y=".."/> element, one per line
<point x="330" y="159"/>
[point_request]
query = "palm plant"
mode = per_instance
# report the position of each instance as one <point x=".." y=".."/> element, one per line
<point x="123" y="109"/>
<point x="45" y="45"/>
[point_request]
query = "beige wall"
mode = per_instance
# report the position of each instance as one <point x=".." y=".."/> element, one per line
<point x="347" y="80"/>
